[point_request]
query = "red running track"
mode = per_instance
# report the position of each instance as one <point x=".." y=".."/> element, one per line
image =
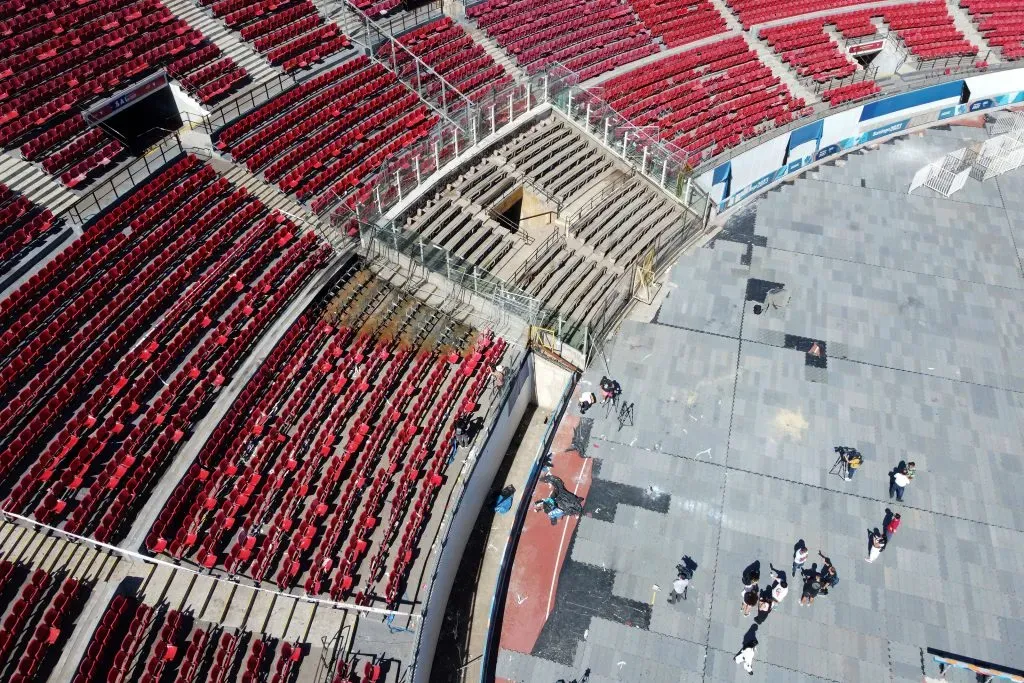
<point x="540" y="555"/>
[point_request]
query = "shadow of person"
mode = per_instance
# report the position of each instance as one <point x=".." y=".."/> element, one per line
<point x="689" y="562"/>
<point x="752" y="569"/>
<point x="750" y="636"/>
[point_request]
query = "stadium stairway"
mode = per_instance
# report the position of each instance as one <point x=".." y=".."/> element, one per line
<point x="147" y="515"/>
<point x="490" y="47"/>
<point x="778" y="67"/>
<point x="271" y="195"/>
<point x="258" y="68"/>
<point x="763" y="51"/>
<point x="964" y="24"/>
<point x="33" y="182"/>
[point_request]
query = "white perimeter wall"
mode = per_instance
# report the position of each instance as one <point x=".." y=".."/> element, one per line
<point x="756" y="169"/>
<point x="468" y="509"/>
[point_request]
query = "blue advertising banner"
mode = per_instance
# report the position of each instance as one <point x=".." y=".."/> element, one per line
<point x="912" y="99"/>
<point x="809" y="132"/>
<point x="724" y="172"/>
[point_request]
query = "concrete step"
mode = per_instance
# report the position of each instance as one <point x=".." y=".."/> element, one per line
<point x="271" y="195"/>
<point x="966" y="26"/>
<point x="491" y="48"/>
<point x="32" y="181"/>
<point x="781" y="69"/>
<point x="230" y="43"/>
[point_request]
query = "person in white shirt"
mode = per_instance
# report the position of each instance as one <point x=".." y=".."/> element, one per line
<point x="779" y="586"/>
<point x="898" y="482"/>
<point x="799" y="557"/>
<point x="746" y="656"/>
<point x="679" y="587"/>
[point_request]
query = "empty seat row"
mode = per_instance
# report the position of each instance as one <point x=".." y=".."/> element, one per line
<point x="57" y="62"/>
<point x="1001" y="22"/>
<point x="23" y="226"/>
<point x="679" y="22"/>
<point x="674" y="93"/>
<point x="587" y="36"/>
<point x="290" y="35"/>
<point x="127" y="335"/>
<point x="292" y="483"/>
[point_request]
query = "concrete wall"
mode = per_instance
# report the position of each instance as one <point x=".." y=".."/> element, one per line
<point x="759" y="169"/>
<point x="463" y="519"/>
<point x="549" y="380"/>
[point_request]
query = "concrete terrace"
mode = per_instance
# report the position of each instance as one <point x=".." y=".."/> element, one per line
<point x="916" y="302"/>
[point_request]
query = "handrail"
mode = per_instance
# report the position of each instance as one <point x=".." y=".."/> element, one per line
<point x="376" y="36"/>
<point x="591" y="205"/>
<point x="488" y="660"/>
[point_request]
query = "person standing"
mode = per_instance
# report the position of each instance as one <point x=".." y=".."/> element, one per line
<point x="779" y="587"/>
<point x="898" y="482"/>
<point x="764" y="607"/>
<point x="876" y="547"/>
<point x="679" y="587"/>
<point x="829" y="575"/>
<point x="799" y="557"/>
<point x="853" y="462"/>
<point x="892" y="526"/>
<point x="610" y="389"/>
<point x="812" y="586"/>
<point x="587" y="399"/>
<point x="750" y="594"/>
<point x="746" y="655"/>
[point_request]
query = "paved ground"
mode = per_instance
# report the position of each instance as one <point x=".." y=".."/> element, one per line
<point x="915" y="303"/>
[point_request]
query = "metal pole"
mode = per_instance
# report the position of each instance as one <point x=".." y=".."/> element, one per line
<point x="437" y="157"/>
<point x="418" y="181"/>
<point x="511" y="107"/>
<point x="493" y="128"/>
<point x="455" y="136"/>
<point x="607" y="123"/>
<point x="643" y="164"/>
<point x="398" y="182"/>
<point x="545" y="88"/>
<point x="587" y="125"/>
<point x="686" y="192"/>
<point x="664" y="170"/>
<point x="448" y="263"/>
<point x="376" y="192"/>
<point x="568" y="107"/>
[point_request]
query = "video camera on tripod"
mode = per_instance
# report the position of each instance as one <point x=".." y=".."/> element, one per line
<point x="847" y="459"/>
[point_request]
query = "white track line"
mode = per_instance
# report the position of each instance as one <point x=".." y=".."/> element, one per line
<point x="561" y="544"/>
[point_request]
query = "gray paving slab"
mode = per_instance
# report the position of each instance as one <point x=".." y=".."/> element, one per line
<point x="917" y="301"/>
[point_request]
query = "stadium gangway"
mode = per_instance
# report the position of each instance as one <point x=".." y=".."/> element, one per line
<point x="444" y="98"/>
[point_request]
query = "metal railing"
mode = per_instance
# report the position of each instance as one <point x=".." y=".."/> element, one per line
<point x="899" y="84"/>
<point x="551" y="243"/>
<point x="124" y="181"/>
<point x="435" y="90"/>
<point x="240" y="104"/>
<point x="414" y="166"/>
<point x="615" y="188"/>
<point x="641" y="148"/>
<point x="858" y="76"/>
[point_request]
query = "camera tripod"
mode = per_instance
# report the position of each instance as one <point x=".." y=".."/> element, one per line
<point x="840" y="467"/>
